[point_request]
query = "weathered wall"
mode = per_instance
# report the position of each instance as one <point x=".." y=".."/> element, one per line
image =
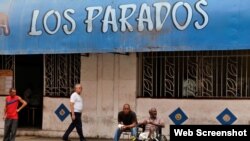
<point x="2" y="104"/>
<point x="109" y="81"/>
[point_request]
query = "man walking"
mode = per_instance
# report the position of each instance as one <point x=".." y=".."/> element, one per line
<point x="11" y="115"/>
<point x="76" y="106"/>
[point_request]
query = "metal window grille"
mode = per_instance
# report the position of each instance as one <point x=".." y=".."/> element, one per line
<point x="7" y="62"/>
<point x="211" y="74"/>
<point x="62" y="72"/>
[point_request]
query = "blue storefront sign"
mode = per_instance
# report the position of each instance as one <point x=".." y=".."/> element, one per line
<point x="96" y="26"/>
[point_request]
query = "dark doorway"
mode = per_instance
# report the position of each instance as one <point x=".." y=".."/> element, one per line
<point x="29" y="84"/>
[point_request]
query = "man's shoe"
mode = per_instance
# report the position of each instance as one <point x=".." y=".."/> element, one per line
<point x="83" y="139"/>
<point x="133" y="138"/>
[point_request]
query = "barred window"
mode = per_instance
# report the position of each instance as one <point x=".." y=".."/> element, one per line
<point x="207" y="74"/>
<point x="62" y="72"/>
<point x="7" y="62"/>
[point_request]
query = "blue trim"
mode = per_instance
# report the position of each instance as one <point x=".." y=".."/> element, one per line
<point x="229" y="119"/>
<point x="178" y="116"/>
<point x="64" y="115"/>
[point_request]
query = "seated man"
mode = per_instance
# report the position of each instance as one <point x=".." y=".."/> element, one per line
<point x="152" y="125"/>
<point x="127" y="121"/>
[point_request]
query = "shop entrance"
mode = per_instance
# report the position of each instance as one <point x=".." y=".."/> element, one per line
<point x="29" y="83"/>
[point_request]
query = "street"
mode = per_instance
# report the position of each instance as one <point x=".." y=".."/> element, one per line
<point x="34" y="138"/>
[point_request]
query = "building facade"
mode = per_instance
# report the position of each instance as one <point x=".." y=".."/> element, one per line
<point x="189" y="59"/>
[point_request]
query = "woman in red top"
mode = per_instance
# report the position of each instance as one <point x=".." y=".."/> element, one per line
<point x="11" y="115"/>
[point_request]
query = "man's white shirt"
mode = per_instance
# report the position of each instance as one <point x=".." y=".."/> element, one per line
<point x="78" y="103"/>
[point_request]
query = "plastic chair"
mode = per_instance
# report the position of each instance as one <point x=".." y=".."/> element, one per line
<point x="126" y="134"/>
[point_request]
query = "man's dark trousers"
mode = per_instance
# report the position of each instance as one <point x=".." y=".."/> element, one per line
<point x="75" y="123"/>
<point x="10" y="128"/>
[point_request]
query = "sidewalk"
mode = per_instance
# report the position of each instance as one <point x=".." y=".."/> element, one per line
<point x="33" y="138"/>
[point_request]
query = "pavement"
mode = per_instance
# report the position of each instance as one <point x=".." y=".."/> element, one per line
<point x="35" y="138"/>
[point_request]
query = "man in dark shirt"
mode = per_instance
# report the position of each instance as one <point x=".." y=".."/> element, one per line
<point x="126" y="122"/>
